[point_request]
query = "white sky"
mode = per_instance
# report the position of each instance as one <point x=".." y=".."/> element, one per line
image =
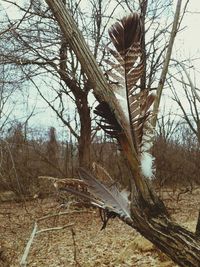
<point x="187" y="45"/>
<point x="190" y="37"/>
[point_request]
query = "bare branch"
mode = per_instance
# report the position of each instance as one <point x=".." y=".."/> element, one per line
<point x="166" y="63"/>
<point x="23" y="262"/>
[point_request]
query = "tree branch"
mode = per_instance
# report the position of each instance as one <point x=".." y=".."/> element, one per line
<point x="166" y="63"/>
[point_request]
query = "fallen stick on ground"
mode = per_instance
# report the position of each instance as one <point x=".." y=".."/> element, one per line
<point x="23" y="262"/>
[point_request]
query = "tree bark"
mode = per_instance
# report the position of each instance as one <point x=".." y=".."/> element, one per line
<point x="197" y="232"/>
<point x="81" y="99"/>
<point x="182" y="246"/>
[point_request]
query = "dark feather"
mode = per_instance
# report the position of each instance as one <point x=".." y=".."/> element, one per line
<point x="125" y="33"/>
<point x="108" y="121"/>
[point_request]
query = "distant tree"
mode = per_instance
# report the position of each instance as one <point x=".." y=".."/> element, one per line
<point x="14" y="151"/>
<point x="188" y="98"/>
<point x="52" y="151"/>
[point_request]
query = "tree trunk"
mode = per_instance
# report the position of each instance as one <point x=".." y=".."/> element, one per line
<point x="84" y="142"/>
<point x="182" y="246"/>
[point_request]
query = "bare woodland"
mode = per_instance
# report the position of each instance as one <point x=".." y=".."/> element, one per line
<point x="77" y="62"/>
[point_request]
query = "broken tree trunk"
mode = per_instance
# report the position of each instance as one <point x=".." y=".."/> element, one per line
<point x="179" y="244"/>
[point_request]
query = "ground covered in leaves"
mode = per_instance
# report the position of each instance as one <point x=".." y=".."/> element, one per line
<point x="80" y="242"/>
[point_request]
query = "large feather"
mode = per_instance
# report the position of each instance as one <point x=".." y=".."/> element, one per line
<point x="126" y="69"/>
<point x="113" y="200"/>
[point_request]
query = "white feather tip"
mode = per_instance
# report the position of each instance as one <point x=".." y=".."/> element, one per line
<point x="147" y="164"/>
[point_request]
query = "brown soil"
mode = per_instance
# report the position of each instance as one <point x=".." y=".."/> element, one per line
<point x="83" y="244"/>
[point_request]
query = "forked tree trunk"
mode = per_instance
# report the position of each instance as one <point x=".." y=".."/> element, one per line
<point x="153" y="223"/>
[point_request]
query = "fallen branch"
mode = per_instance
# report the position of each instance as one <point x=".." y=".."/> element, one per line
<point x="23" y="262"/>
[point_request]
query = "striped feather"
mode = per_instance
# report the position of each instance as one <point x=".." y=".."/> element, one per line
<point x="126" y="68"/>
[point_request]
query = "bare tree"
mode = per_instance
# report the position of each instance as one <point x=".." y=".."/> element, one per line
<point x="190" y="93"/>
<point x="147" y="213"/>
<point x="168" y="126"/>
<point x="10" y="85"/>
<point x="45" y="53"/>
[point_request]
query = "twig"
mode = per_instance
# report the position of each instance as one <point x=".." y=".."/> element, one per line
<point x="193" y="88"/>
<point x="23" y="262"/>
<point x="75" y="247"/>
<point x="63" y="213"/>
<point x="55" y="228"/>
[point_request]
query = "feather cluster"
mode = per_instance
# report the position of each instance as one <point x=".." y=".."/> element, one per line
<point x="126" y="66"/>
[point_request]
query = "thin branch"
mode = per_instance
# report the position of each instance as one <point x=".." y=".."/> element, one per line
<point x="166" y="63"/>
<point x="54" y="228"/>
<point x="193" y="88"/>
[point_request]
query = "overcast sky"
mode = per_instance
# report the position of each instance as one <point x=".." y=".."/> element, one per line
<point x="187" y="45"/>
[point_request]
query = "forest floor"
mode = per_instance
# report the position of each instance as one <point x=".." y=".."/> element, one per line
<point x="81" y="242"/>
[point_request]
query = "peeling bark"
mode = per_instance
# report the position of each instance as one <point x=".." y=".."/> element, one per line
<point x="197" y="233"/>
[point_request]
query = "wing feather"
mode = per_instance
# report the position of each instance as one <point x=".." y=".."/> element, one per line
<point x="127" y="68"/>
<point x="113" y="200"/>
